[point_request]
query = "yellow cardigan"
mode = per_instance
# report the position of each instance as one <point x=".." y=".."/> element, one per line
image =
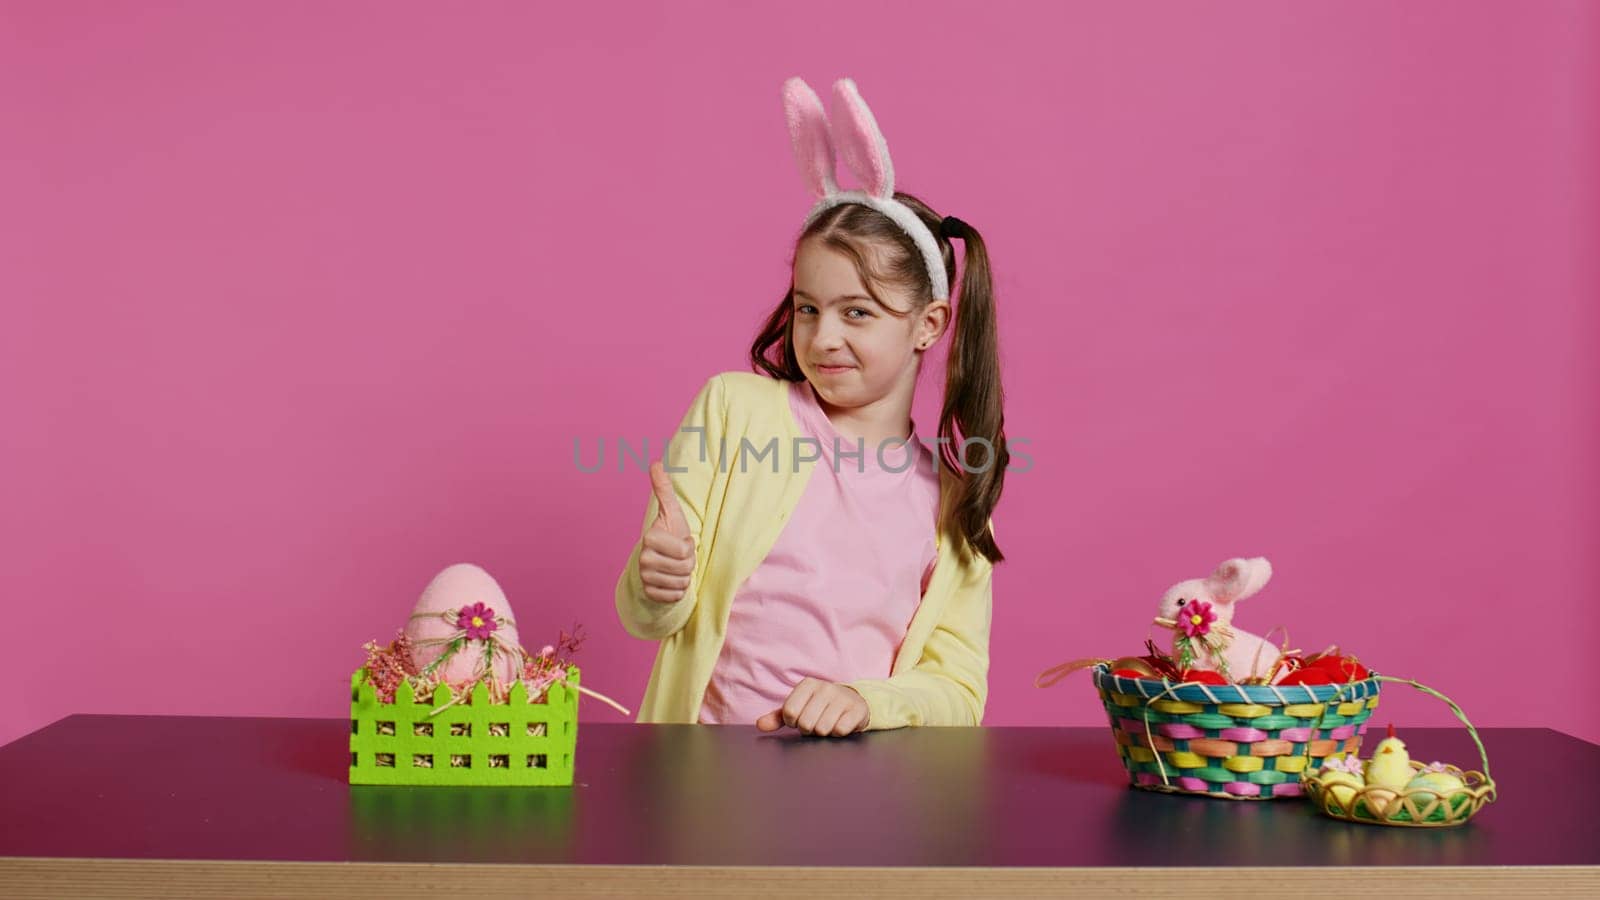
<point x="940" y="675"/>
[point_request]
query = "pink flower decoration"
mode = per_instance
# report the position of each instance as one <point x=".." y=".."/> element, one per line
<point x="1195" y="618"/>
<point x="1348" y="764"/>
<point x="478" y="621"/>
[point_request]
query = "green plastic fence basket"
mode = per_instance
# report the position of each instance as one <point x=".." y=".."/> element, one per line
<point x="480" y="743"/>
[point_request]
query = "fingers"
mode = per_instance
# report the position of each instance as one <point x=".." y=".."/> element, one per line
<point x="798" y="698"/>
<point x="664" y="580"/>
<point x="829" y="718"/>
<point x="820" y="708"/>
<point x="669" y="545"/>
<point x="851" y="720"/>
<point x="669" y="517"/>
<point x="845" y="716"/>
<point x="662" y="593"/>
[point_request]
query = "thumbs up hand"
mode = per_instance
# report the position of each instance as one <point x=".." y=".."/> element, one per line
<point x="667" y="558"/>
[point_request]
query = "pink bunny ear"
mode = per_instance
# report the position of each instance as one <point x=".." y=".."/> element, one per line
<point x="861" y="144"/>
<point x="1238" y="579"/>
<point x="808" y="130"/>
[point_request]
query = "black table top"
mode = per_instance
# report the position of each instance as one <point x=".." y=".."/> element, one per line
<point x="159" y="787"/>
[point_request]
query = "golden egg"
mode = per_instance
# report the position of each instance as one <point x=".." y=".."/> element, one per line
<point x="1135" y="664"/>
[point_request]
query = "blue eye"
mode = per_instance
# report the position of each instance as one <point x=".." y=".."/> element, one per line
<point x="804" y="308"/>
<point x="864" y="313"/>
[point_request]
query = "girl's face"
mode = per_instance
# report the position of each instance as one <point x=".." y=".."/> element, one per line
<point x="849" y="347"/>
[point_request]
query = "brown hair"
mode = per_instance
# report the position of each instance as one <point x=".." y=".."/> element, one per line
<point x="973" y="400"/>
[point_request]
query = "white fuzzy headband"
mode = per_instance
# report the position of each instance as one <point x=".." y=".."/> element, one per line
<point x="855" y="133"/>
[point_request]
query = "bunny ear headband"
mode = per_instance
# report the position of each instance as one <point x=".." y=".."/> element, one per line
<point x="861" y="145"/>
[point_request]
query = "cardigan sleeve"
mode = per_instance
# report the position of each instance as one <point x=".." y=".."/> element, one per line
<point x="949" y="684"/>
<point x="692" y="461"/>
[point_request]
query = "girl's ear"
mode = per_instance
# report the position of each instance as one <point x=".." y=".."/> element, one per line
<point x="808" y="131"/>
<point x="861" y="144"/>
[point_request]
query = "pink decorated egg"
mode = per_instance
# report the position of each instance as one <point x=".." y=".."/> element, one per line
<point x="464" y="602"/>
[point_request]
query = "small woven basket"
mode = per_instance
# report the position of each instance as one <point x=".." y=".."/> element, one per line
<point x="1411" y="807"/>
<point x="1242" y="742"/>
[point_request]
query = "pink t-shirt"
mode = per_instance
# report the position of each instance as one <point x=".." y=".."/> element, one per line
<point x="834" y="597"/>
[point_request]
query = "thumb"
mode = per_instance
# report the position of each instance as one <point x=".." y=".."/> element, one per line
<point x="772" y="721"/>
<point x="670" y="516"/>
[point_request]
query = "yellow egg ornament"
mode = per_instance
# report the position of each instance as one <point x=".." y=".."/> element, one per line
<point x="1340" y="784"/>
<point x="1433" y="784"/>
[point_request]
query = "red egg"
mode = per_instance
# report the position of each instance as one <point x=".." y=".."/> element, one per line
<point x="1342" y="668"/>
<point x="1308" y="675"/>
<point x="1205" y="676"/>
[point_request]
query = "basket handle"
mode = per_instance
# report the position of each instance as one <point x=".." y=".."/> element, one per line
<point x="1483" y="755"/>
<point x="1057" y="672"/>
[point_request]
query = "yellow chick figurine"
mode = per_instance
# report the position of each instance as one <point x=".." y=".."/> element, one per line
<point x="1390" y="765"/>
<point x="1389" y="768"/>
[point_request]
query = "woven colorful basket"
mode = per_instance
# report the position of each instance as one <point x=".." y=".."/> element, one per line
<point x="1242" y="742"/>
<point x="1410" y="807"/>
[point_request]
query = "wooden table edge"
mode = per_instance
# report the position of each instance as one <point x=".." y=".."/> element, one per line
<point x="28" y="877"/>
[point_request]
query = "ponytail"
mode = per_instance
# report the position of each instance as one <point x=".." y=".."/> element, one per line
<point x="972" y="419"/>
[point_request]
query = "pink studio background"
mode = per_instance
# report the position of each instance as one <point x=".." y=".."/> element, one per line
<point x="304" y="302"/>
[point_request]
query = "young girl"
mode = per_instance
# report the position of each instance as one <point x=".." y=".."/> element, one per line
<point x="806" y="560"/>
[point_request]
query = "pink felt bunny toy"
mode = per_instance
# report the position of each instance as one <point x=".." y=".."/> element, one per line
<point x="1200" y="613"/>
